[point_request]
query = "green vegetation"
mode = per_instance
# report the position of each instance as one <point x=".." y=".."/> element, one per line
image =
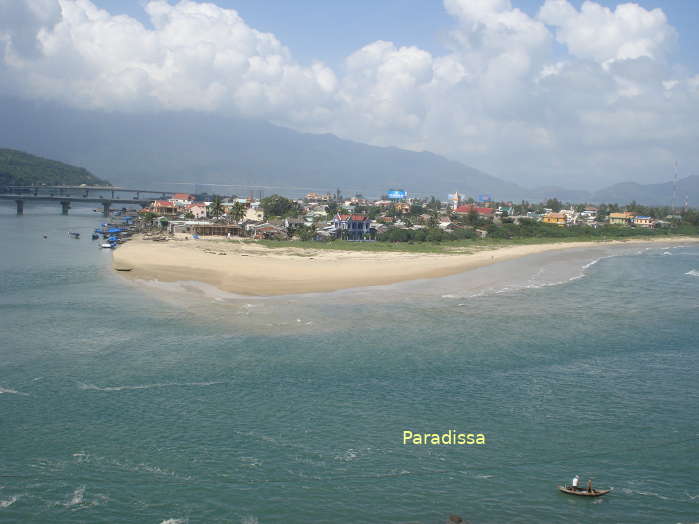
<point x="470" y="245"/>
<point x="216" y="207"/>
<point x="22" y="169"/>
<point x="279" y="206"/>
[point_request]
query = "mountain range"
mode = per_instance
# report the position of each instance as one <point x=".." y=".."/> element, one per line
<point x="188" y="151"/>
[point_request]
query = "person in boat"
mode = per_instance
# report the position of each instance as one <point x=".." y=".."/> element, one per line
<point x="576" y="481"/>
<point x="589" y="485"/>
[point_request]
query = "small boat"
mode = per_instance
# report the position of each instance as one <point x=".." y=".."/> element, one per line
<point x="95" y="236"/>
<point x="583" y="492"/>
<point x="107" y="246"/>
<point x="74" y="235"/>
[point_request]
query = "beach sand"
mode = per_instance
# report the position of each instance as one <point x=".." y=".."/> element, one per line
<point x="248" y="268"/>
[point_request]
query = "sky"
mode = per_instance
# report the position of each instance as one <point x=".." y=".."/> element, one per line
<point x="574" y="93"/>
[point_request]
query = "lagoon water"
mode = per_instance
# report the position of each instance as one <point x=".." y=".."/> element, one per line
<point x="123" y="402"/>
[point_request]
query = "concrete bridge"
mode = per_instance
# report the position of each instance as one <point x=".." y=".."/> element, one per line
<point x="66" y="195"/>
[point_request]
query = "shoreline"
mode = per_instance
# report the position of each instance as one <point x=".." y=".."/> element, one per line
<point x="254" y="270"/>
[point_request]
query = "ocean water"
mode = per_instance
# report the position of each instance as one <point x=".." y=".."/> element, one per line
<point x="174" y="403"/>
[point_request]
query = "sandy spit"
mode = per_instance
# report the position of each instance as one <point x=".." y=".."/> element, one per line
<point x="252" y="269"/>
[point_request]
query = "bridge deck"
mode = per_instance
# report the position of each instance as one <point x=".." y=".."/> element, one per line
<point x="65" y="198"/>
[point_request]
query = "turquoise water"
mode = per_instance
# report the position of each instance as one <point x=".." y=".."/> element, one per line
<point x="148" y="403"/>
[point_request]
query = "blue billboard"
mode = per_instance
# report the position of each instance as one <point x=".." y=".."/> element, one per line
<point x="396" y="194"/>
<point x="485" y="198"/>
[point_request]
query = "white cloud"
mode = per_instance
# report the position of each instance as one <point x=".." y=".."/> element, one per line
<point x="598" y="33"/>
<point x="499" y="98"/>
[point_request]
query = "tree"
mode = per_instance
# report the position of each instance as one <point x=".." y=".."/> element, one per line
<point x="554" y="204"/>
<point x="189" y="215"/>
<point x="237" y="212"/>
<point x="278" y="206"/>
<point x="216" y="207"/>
<point x="331" y="209"/>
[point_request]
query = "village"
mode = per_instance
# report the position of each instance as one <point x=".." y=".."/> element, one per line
<point x="394" y="217"/>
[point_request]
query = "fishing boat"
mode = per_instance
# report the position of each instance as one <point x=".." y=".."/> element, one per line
<point x="74" y="235"/>
<point x="583" y="492"/>
<point x="107" y="245"/>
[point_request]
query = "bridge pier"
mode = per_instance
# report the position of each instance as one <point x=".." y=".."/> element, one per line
<point x="106" y="208"/>
<point x="65" y="206"/>
<point x="20" y="207"/>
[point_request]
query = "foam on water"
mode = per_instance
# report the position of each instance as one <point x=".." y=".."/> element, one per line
<point x="693" y="273"/>
<point x="9" y="391"/>
<point x="8" y="502"/>
<point x="149" y="386"/>
<point x="77" y="497"/>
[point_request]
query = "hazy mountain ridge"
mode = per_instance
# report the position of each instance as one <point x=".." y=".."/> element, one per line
<point x="166" y="149"/>
<point x="24" y="169"/>
<point x="175" y="150"/>
<point x="687" y="189"/>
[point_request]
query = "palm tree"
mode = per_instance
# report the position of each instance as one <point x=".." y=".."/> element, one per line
<point x="237" y="212"/>
<point x="216" y="208"/>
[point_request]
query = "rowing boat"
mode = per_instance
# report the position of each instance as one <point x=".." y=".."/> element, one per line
<point x="582" y="492"/>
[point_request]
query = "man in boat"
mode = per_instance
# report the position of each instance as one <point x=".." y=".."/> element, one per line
<point x="576" y="481"/>
<point x="589" y="485"/>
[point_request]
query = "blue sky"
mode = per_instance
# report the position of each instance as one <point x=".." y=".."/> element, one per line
<point x="329" y="30"/>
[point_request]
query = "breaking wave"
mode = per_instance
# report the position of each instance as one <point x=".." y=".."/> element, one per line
<point x="7" y="503"/>
<point x="693" y="273"/>
<point x="12" y="392"/>
<point x="77" y="497"/>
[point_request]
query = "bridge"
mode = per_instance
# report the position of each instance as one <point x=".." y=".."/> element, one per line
<point x="66" y="195"/>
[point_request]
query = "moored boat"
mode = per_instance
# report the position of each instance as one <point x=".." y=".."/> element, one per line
<point x="582" y="492"/>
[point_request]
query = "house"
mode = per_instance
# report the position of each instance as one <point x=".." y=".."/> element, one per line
<point x="226" y="230"/>
<point x="266" y="231"/>
<point x="402" y="207"/>
<point x="292" y="224"/>
<point x="643" y="221"/>
<point x="315" y="197"/>
<point x="559" y="219"/>
<point x="589" y="212"/>
<point x="198" y="209"/>
<point x="351" y="227"/>
<point x="254" y="213"/>
<point x="621" y="218"/>
<point x="468" y="208"/>
<point x="163" y="207"/>
<point x="182" y="199"/>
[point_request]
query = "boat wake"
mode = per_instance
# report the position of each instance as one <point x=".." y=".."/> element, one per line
<point x="92" y="387"/>
<point x="693" y="273"/>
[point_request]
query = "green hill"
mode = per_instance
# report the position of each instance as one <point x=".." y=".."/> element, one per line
<point x="22" y="169"/>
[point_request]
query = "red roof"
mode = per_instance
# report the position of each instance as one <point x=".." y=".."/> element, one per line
<point x="182" y="196"/>
<point x="480" y="210"/>
<point x="358" y="218"/>
<point x="163" y="203"/>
